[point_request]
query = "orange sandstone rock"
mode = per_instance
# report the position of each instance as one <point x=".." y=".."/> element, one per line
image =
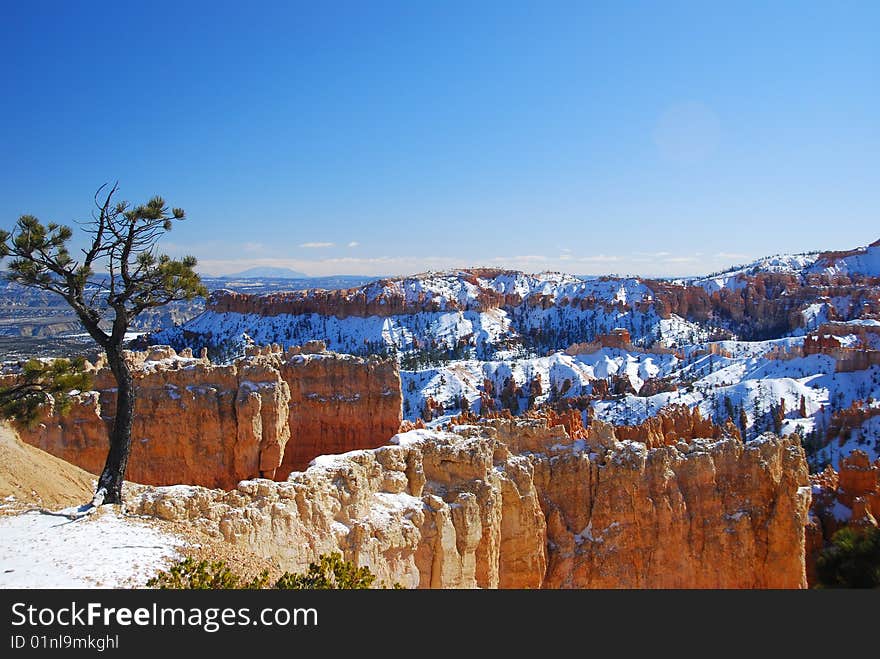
<point x="848" y="498"/>
<point x="214" y="425"/>
<point x="339" y="403"/>
<point x="673" y="423"/>
<point x="517" y="503"/>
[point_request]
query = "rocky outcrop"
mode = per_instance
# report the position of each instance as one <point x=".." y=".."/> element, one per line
<point x="848" y="498"/>
<point x="859" y="479"/>
<point x="215" y="425"/>
<point x="619" y="338"/>
<point x="858" y="357"/>
<point x="520" y="504"/>
<point x="338" y="403"/>
<point x="194" y="422"/>
<point x="674" y="423"/>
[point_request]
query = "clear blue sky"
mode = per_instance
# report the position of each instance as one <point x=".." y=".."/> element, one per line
<point x="657" y="138"/>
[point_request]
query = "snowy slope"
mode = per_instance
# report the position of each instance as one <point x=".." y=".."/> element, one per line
<point x="573" y="375"/>
<point x="746" y="377"/>
<point x="48" y="551"/>
<point x="866" y="438"/>
<point x="493" y="332"/>
<point x="735" y="277"/>
<point x="500" y="313"/>
<point x="863" y="261"/>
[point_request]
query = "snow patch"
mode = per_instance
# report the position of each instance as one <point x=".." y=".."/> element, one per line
<point x="48" y="551"/>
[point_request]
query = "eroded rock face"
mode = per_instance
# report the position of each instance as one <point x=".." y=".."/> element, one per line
<point x="673" y="423"/>
<point x="848" y="498"/>
<point x="703" y="514"/>
<point x="338" y="403"/>
<point x="860" y="479"/>
<point x="215" y="425"/>
<point x="519" y="504"/>
<point x="194" y="422"/>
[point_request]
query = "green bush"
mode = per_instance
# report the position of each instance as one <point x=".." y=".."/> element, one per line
<point x="190" y="574"/>
<point x="852" y="560"/>
<point x="40" y="382"/>
<point x="330" y="571"/>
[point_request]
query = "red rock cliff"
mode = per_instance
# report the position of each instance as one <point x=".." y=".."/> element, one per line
<point x="194" y="422"/>
<point x="203" y="424"/>
<point x="339" y="403"/>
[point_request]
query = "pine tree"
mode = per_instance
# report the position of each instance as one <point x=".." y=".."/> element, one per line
<point x="41" y="382"/>
<point x="122" y="240"/>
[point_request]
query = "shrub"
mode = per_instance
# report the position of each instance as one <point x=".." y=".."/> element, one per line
<point x="852" y="560"/>
<point x="189" y="574"/>
<point x="330" y="571"/>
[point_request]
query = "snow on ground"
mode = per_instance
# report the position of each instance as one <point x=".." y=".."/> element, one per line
<point x="353" y="334"/>
<point x="720" y="385"/>
<point x="864" y="261"/>
<point x="731" y="279"/>
<point x="104" y="550"/>
<point x="572" y="375"/>
<point x="460" y="319"/>
<point x="865" y="438"/>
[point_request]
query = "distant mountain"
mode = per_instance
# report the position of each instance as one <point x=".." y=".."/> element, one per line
<point x="266" y="272"/>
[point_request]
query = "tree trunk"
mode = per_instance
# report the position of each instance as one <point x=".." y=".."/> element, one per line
<point x="120" y="436"/>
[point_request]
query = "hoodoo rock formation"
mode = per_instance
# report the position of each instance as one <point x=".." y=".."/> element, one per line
<point x="673" y="423"/>
<point x="848" y="498"/>
<point x="519" y="504"/>
<point x="215" y="425"/>
<point x="759" y="305"/>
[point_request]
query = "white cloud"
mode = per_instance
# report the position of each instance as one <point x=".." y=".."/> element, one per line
<point x="732" y="256"/>
<point x="316" y="245"/>
<point x="353" y="243"/>
<point x="600" y="258"/>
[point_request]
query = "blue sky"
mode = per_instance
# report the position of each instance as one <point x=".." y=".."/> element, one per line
<point x="657" y="138"/>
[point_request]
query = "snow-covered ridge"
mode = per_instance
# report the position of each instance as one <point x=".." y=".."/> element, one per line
<point x="864" y="261"/>
<point x="476" y="289"/>
<point x="465" y="287"/>
<point x="498" y="315"/>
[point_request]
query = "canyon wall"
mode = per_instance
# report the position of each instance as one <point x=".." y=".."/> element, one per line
<point x="215" y="425"/>
<point x="339" y="403"/>
<point x="520" y="504"/>
<point x="847" y="359"/>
